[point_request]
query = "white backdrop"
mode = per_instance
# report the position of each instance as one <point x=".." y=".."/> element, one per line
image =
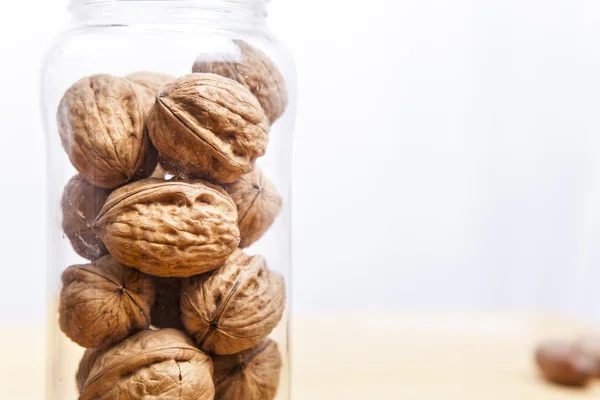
<point x="447" y="153"/>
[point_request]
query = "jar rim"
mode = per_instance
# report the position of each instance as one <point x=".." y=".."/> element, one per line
<point x="78" y="3"/>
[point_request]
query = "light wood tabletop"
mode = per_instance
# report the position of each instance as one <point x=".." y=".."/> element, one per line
<point x="415" y="356"/>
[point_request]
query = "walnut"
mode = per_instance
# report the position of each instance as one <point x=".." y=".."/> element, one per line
<point x="235" y="307"/>
<point x="81" y="202"/>
<point x="104" y="302"/>
<point x="148" y="83"/>
<point x="590" y="345"/>
<point x="564" y="363"/>
<point x="85" y="366"/>
<point x="207" y="126"/>
<point x="253" y="69"/>
<point x="252" y="374"/>
<point x="258" y="204"/>
<point x="155" y="364"/>
<point x="165" y="311"/>
<point x="169" y="228"/>
<point x="101" y="125"/>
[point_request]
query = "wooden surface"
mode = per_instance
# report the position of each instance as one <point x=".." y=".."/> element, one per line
<point x="416" y="356"/>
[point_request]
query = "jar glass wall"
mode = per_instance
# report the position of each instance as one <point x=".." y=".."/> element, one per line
<point x="169" y="129"/>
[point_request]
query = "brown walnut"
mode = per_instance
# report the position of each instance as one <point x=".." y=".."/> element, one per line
<point x="258" y="205"/>
<point x="590" y="345"/>
<point x="101" y="126"/>
<point x="235" y="307"/>
<point x="564" y="363"/>
<point x="253" y="69"/>
<point x="155" y="364"/>
<point x="85" y="366"/>
<point x="169" y="228"/>
<point x="81" y="202"/>
<point x="148" y="84"/>
<point x="252" y="374"/>
<point x="104" y="302"/>
<point x="165" y="311"/>
<point x="207" y="126"/>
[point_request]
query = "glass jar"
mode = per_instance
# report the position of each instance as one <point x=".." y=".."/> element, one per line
<point x="169" y="216"/>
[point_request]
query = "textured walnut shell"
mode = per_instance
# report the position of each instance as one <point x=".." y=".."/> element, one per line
<point x="235" y="307"/>
<point x="565" y="364"/>
<point x="253" y="69"/>
<point x="165" y="311"/>
<point x="159" y="365"/>
<point x="81" y="202"/>
<point x="85" y="366"/>
<point x="104" y="302"/>
<point x="252" y="374"/>
<point x="101" y="126"/>
<point x="207" y="126"/>
<point x="258" y="205"/>
<point x="169" y="228"/>
<point x="148" y="84"/>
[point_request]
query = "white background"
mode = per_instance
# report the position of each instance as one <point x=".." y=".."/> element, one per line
<point x="447" y="154"/>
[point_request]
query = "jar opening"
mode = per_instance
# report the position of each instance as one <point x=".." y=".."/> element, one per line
<point x="77" y="3"/>
<point x="229" y="14"/>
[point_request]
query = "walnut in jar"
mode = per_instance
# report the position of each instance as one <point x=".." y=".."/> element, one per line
<point x="85" y="366"/>
<point x="81" y="202"/>
<point x="253" y="69"/>
<point x="235" y="307"/>
<point x="155" y="364"/>
<point x="258" y="205"/>
<point x="252" y="374"/>
<point x="169" y="228"/>
<point x="104" y="302"/>
<point x="148" y="84"/>
<point x="207" y="126"/>
<point x="101" y="125"/>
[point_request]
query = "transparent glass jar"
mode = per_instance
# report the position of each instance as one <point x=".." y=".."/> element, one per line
<point x="177" y="281"/>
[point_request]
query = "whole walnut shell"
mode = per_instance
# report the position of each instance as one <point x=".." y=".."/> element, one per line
<point x="235" y="307"/>
<point x="564" y="363"/>
<point x="104" y="302"/>
<point x="252" y="374"/>
<point x="253" y="69"/>
<point x="81" y="202"/>
<point x="158" y="365"/>
<point x="258" y="205"/>
<point x="101" y="126"/>
<point x="85" y="366"/>
<point x="148" y="83"/>
<point x="169" y="228"/>
<point x="207" y="126"/>
<point x="166" y="312"/>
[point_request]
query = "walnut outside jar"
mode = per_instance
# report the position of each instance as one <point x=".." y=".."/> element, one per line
<point x="169" y="126"/>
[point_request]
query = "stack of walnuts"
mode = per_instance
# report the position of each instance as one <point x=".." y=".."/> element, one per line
<point x="166" y="198"/>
